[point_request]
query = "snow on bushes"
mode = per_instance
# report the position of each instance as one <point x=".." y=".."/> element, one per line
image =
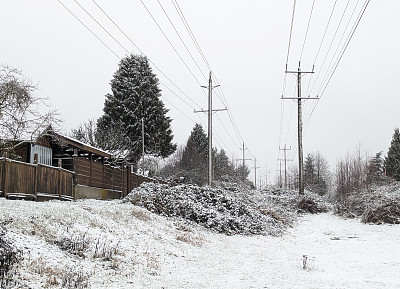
<point x="223" y="210"/>
<point x="379" y="204"/>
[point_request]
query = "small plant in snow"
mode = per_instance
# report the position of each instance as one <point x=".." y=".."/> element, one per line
<point x="105" y="249"/>
<point x="191" y="238"/>
<point x="308" y="263"/>
<point x="10" y="258"/>
<point x="74" y="244"/>
<point x="75" y="280"/>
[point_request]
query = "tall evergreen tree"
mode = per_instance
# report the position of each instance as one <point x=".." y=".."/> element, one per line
<point x="375" y="169"/>
<point x="309" y="171"/>
<point x="392" y="160"/>
<point x="224" y="170"/>
<point x="316" y="173"/>
<point x="194" y="156"/>
<point x="135" y="96"/>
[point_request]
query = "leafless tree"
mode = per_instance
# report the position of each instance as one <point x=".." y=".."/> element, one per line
<point x="22" y="113"/>
<point x="351" y="172"/>
<point x="86" y="132"/>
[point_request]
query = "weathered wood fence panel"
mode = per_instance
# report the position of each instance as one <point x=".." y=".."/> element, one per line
<point x="116" y="178"/>
<point x="1" y="176"/>
<point x="47" y="180"/>
<point x="20" y="179"/>
<point x="95" y="174"/>
<point x="82" y="170"/>
<point x="30" y="180"/>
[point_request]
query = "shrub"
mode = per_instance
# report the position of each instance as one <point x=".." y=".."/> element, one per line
<point x="10" y="257"/>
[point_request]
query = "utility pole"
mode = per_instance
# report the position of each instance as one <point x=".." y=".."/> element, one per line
<point x="267" y="172"/>
<point x="143" y="145"/>
<point x="210" y="111"/>
<point x="255" y="172"/>
<point x="299" y="99"/>
<point x="243" y="163"/>
<point x="285" y="160"/>
<point x="280" y="173"/>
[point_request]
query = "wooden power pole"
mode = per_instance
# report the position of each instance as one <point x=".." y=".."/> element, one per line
<point x="243" y="163"/>
<point x="299" y="99"/>
<point x="255" y="173"/>
<point x="285" y="160"/>
<point x="210" y="111"/>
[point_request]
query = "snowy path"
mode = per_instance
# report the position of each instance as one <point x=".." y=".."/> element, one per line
<point x="154" y="253"/>
<point x="342" y="254"/>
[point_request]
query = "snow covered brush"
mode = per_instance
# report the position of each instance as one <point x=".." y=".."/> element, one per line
<point x="9" y="260"/>
<point x="217" y="209"/>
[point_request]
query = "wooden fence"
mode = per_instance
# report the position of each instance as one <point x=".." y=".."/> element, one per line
<point x="18" y="179"/>
<point x="33" y="181"/>
<point x="116" y="178"/>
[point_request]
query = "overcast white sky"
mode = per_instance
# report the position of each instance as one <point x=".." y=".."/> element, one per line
<point x="246" y="44"/>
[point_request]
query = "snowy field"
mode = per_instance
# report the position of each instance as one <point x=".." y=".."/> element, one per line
<point x="110" y="244"/>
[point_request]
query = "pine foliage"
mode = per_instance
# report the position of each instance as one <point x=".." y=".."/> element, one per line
<point x="375" y="169"/>
<point x="392" y="160"/>
<point x="135" y="96"/>
<point x="316" y="173"/>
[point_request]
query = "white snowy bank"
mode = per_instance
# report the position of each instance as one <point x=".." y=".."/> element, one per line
<point x="119" y="245"/>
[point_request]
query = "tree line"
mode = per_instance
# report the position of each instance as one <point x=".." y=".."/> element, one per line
<point x="134" y="114"/>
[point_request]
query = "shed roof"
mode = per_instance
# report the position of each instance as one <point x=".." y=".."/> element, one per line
<point x="69" y="141"/>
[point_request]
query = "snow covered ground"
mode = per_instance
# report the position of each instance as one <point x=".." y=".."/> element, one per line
<point x="110" y="244"/>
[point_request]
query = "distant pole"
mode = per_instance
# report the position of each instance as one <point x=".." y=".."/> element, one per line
<point x="243" y="159"/>
<point x="285" y="161"/>
<point x="210" y="176"/>
<point x="255" y="172"/>
<point x="243" y="164"/>
<point x="143" y="146"/>
<point x="299" y="123"/>
<point x="210" y="111"/>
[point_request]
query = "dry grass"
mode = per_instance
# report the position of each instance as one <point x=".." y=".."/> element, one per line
<point x="191" y="238"/>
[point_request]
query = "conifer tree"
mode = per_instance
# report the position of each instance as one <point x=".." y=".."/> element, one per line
<point x="194" y="156"/>
<point x="375" y="169"/>
<point x="135" y="96"/>
<point x="392" y="160"/>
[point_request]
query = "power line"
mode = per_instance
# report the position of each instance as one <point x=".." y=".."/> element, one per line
<point x="155" y="66"/>
<point x="308" y="25"/>
<point x="326" y="29"/>
<point x="330" y="46"/>
<point x="193" y="37"/>
<point x="169" y="41"/>
<point x="183" y="42"/>
<point x="347" y="44"/>
<point x="290" y="34"/>
<point x="109" y="34"/>
<point x="76" y="17"/>
<point x="362" y="11"/>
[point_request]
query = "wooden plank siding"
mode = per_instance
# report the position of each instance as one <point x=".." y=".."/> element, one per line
<point x="18" y="179"/>
<point x="95" y="174"/>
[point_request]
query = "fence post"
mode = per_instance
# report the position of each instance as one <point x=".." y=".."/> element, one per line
<point x="59" y="178"/>
<point x="3" y="179"/>
<point x="103" y="165"/>
<point x="122" y="180"/>
<point x="5" y="176"/>
<point x="91" y="173"/>
<point x="35" y="181"/>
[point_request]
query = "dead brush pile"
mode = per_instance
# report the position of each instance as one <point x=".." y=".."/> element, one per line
<point x="224" y="209"/>
<point x="379" y="204"/>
